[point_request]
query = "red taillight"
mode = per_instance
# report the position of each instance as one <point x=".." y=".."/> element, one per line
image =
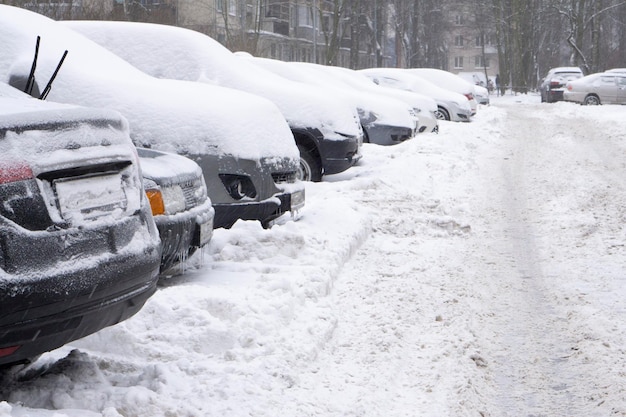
<point x="469" y="96"/>
<point x="6" y="351"/>
<point x="14" y="172"/>
<point x="554" y="83"/>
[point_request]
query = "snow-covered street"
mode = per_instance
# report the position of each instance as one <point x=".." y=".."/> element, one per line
<point x="478" y="272"/>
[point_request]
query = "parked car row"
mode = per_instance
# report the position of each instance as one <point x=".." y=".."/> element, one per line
<point x="124" y="145"/>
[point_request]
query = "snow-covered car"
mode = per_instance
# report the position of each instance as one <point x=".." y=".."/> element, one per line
<point x="241" y="141"/>
<point x="481" y="95"/>
<point x="424" y="108"/>
<point x="599" y="88"/>
<point x="79" y="250"/>
<point x="326" y="130"/>
<point x="448" y="81"/>
<point x="385" y="121"/>
<point x="180" y="205"/>
<point x="450" y="106"/>
<point x="552" y="86"/>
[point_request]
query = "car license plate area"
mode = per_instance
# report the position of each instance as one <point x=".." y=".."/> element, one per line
<point x="204" y="232"/>
<point x="297" y="200"/>
<point x="90" y="197"/>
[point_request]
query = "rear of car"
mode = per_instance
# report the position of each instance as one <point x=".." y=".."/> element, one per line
<point x="79" y="249"/>
<point x="553" y="84"/>
<point x="180" y="205"/>
<point x="596" y="89"/>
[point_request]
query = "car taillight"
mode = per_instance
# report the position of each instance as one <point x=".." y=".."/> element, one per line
<point x="156" y="202"/>
<point x="554" y="83"/>
<point x="6" y="351"/>
<point x="569" y="87"/>
<point x="14" y="172"/>
<point x="469" y="96"/>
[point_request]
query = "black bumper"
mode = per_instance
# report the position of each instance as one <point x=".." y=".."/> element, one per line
<point x="339" y="155"/>
<point x="93" y="298"/>
<point x="264" y="211"/>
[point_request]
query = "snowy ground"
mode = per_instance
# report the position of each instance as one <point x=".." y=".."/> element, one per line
<point x="478" y="272"/>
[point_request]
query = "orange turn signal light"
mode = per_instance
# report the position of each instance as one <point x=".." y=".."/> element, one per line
<point x="156" y="202"/>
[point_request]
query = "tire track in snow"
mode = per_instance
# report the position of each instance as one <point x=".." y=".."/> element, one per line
<point x="538" y="358"/>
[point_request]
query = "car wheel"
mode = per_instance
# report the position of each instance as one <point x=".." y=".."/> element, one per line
<point x="310" y="168"/>
<point x="592" y="101"/>
<point x="442" y="114"/>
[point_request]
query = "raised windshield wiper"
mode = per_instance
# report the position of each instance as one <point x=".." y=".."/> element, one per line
<point x="54" y="75"/>
<point x="30" y="83"/>
<point x="28" y="89"/>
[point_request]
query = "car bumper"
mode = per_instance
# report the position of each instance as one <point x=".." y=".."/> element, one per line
<point x="555" y="95"/>
<point x="265" y="211"/>
<point x="181" y="233"/>
<point x="45" y="309"/>
<point x="388" y="135"/>
<point x="339" y="155"/>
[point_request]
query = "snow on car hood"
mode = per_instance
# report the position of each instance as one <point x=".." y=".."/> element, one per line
<point x="175" y="116"/>
<point x="387" y="111"/>
<point x="403" y="80"/>
<point x="176" y="53"/>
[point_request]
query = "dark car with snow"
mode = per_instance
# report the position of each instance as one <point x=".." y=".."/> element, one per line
<point x="553" y="84"/>
<point x="325" y="128"/>
<point x="241" y="141"/>
<point x="79" y="249"/>
<point x="180" y="205"/>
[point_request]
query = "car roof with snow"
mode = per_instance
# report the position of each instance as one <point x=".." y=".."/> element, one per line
<point x="177" y="53"/>
<point x="178" y="116"/>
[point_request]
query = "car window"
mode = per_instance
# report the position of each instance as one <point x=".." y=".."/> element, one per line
<point x="621" y="81"/>
<point x="607" y="79"/>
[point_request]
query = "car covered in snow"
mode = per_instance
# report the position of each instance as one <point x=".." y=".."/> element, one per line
<point x="241" y="141"/>
<point x="451" y="106"/>
<point x="448" y="81"/>
<point x="552" y="86"/>
<point x="385" y="120"/>
<point x="180" y="205"/>
<point x="326" y="131"/>
<point x="79" y="249"/>
<point x="599" y="88"/>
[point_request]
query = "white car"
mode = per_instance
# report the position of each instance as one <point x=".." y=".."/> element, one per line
<point x="449" y="81"/>
<point x="241" y="141"/>
<point x="326" y="131"/>
<point x="450" y="106"/>
<point x="599" y="88"/>
<point x="385" y="121"/>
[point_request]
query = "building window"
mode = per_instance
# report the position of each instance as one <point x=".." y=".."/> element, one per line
<point x="480" y="41"/>
<point x="459" y="20"/>
<point x="458" y="40"/>
<point x="232" y="7"/>
<point x="479" y="63"/>
<point x="458" y="62"/>
<point x="305" y="16"/>
<point x="220" y="5"/>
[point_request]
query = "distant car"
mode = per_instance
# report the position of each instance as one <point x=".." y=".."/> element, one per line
<point x="553" y="84"/>
<point x="385" y="121"/>
<point x="180" y="205"/>
<point x="326" y="130"/>
<point x="599" y="88"/>
<point x="451" y="106"/>
<point x="79" y="249"/>
<point x="241" y="141"/>
<point x="448" y="81"/>
<point x="481" y="94"/>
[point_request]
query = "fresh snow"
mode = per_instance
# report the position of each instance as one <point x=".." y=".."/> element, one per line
<point x="478" y="272"/>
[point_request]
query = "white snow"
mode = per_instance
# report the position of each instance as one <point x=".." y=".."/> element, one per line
<point x="176" y="53"/>
<point x="478" y="272"/>
<point x="171" y="115"/>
